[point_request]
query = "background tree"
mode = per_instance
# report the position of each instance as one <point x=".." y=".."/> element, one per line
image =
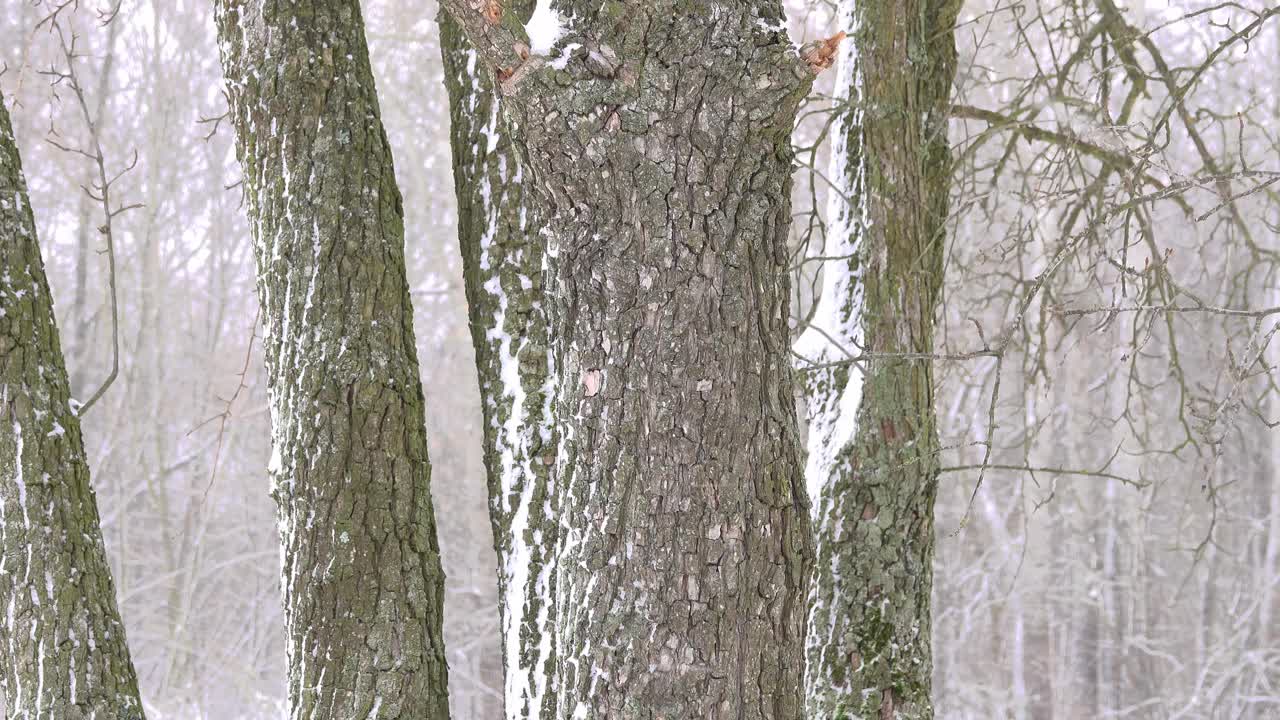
<point x="867" y="355"/>
<point x="1115" y="199"/>
<point x="363" y="586"/>
<point x="63" y="644"/>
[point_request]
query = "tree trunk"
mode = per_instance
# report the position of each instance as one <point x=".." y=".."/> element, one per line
<point x="363" y="585"/>
<point x="873" y="450"/>
<point x="63" y="644"/>
<point x="657" y="139"/>
<point x="503" y="257"/>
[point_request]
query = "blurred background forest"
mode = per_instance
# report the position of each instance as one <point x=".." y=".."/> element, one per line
<point x="1115" y="242"/>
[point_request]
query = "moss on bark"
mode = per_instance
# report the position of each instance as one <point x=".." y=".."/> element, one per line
<point x="363" y="586"/>
<point x="869" y="650"/>
<point x="62" y="643"/>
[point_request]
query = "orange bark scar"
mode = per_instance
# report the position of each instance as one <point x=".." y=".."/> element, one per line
<point x="492" y="11"/>
<point x="821" y="54"/>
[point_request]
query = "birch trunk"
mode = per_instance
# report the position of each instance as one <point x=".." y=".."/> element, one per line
<point x="63" y="645"/>
<point x="657" y="139"/>
<point x="873" y="449"/>
<point x="504" y="257"/>
<point x="362" y="581"/>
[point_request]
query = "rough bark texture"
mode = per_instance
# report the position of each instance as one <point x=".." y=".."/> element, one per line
<point x="683" y="563"/>
<point x="363" y="586"/>
<point x="63" y="645"/>
<point x="657" y="139"/>
<point x="503" y="256"/>
<point x="874" y="444"/>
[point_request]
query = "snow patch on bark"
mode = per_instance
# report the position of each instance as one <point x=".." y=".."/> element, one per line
<point x="834" y="334"/>
<point x="561" y="61"/>
<point x="19" y="481"/>
<point x="545" y="28"/>
<point x="526" y="684"/>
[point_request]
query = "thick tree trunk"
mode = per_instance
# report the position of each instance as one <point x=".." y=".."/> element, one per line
<point x="62" y="642"/>
<point x="363" y="586"/>
<point x="658" y="141"/>
<point x="503" y="256"/>
<point x="683" y="570"/>
<point x="873" y="452"/>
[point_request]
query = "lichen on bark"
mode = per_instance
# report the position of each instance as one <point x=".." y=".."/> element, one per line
<point x="660" y="151"/>
<point x="362" y="581"/>
<point x="656" y="140"/>
<point x="63" y="645"/>
<point x="874" y="449"/>
<point x="504" y="256"/>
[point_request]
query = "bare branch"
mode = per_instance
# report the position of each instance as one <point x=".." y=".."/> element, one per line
<point x="103" y="183"/>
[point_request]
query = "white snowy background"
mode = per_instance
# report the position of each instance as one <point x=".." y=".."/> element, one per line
<point x="1057" y="595"/>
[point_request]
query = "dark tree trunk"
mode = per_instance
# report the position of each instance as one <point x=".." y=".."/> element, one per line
<point x="873" y="441"/>
<point x="363" y="586"/>
<point x="63" y="645"/>
<point x="657" y="139"/>
<point x="503" y="257"/>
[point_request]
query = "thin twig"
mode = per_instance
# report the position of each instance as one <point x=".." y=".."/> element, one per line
<point x="103" y="196"/>
<point x="223" y="417"/>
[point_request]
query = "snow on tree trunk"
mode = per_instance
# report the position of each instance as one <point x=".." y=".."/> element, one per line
<point x="363" y="586"/>
<point x="657" y="140"/>
<point x="873" y="449"/>
<point x="62" y="642"/>
<point x="684" y="562"/>
<point x="503" y="255"/>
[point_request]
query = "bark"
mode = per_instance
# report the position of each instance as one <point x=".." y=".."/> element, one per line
<point x="362" y="581"/>
<point x="63" y="645"/>
<point x="873" y="450"/>
<point x="503" y="256"/>
<point x="657" y="139"/>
